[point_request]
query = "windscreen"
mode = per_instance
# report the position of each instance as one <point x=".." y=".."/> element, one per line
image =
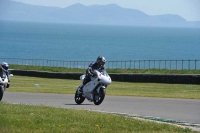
<point x="103" y="72"/>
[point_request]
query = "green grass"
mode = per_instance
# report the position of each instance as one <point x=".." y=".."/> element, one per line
<point x="67" y="86"/>
<point x="62" y="69"/>
<point x="41" y="119"/>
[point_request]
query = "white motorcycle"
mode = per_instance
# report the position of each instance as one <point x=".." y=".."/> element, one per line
<point x="95" y="90"/>
<point x="3" y="85"/>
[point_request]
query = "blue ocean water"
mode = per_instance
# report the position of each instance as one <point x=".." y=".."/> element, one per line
<point x="75" y="42"/>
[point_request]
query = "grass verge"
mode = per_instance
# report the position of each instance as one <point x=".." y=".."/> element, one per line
<point x="41" y="119"/>
<point x="67" y="86"/>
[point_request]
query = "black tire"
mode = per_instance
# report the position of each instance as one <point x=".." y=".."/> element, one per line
<point x="1" y="92"/>
<point x="98" y="98"/>
<point x="78" y="98"/>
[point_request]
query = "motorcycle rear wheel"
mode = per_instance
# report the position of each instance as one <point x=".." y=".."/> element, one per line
<point x="98" y="98"/>
<point x="78" y="98"/>
<point x="1" y="92"/>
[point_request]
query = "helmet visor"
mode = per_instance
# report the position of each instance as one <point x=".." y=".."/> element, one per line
<point x="102" y="63"/>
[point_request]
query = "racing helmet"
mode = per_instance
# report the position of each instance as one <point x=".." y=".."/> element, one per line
<point x="101" y="61"/>
<point x="4" y="66"/>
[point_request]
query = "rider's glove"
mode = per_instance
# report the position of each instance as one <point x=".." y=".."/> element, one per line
<point x="90" y="72"/>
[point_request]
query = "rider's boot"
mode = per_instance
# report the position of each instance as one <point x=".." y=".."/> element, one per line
<point x="81" y="88"/>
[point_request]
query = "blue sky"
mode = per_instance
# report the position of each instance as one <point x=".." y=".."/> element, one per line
<point x="188" y="9"/>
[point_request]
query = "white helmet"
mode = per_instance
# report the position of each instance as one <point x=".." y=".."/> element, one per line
<point x="4" y="66"/>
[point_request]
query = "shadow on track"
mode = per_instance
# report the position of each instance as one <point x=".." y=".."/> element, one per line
<point x="78" y="104"/>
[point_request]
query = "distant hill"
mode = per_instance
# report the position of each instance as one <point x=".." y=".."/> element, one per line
<point x="111" y="14"/>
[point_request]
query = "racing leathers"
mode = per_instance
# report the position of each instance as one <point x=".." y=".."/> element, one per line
<point x="90" y="72"/>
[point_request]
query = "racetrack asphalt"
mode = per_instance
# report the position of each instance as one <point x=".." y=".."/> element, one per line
<point x="164" y="109"/>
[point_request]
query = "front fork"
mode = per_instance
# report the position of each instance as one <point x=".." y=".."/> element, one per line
<point x="3" y="87"/>
<point x="97" y="93"/>
<point x="99" y="88"/>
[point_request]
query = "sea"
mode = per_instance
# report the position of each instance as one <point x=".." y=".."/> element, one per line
<point x="83" y="42"/>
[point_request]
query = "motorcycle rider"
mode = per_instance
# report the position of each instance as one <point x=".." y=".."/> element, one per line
<point x="4" y="72"/>
<point x="98" y="65"/>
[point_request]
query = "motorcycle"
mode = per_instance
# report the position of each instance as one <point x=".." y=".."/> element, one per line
<point x="3" y="85"/>
<point x="95" y="90"/>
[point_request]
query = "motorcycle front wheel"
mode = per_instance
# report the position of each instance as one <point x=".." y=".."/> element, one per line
<point x="78" y="97"/>
<point x="1" y="92"/>
<point x="99" y="97"/>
